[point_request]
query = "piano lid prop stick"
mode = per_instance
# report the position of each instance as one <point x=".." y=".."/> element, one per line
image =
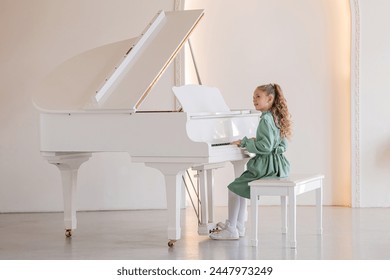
<point x="195" y="66"/>
<point x="194" y="62"/>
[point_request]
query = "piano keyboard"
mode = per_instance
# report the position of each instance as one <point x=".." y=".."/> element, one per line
<point x="220" y="144"/>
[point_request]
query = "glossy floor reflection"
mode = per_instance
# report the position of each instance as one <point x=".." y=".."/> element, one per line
<point x="348" y="234"/>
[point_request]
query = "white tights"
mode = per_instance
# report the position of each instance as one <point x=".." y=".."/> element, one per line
<point x="236" y="209"/>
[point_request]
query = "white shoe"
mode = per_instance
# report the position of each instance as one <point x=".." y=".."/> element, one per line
<point x="228" y="233"/>
<point x="240" y="228"/>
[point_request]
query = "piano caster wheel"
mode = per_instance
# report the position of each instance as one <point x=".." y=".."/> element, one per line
<point x="68" y="233"/>
<point x="171" y="243"/>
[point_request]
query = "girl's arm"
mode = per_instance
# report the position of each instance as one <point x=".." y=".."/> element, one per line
<point x="265" y="143"/>
<point x="238" y="142"/>
<point x="282" y="147"/>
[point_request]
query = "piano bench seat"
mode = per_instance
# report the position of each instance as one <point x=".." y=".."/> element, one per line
<point x="288" y="189"/>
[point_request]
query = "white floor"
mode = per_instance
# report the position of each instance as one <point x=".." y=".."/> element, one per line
<point x="348" y="234"/>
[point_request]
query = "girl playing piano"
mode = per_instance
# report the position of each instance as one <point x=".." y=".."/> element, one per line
<point x="269" y="161"/>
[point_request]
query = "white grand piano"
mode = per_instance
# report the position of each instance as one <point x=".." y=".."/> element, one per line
<point x="90" y="104"/>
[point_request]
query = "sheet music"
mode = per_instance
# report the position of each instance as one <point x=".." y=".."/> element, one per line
<point x="199" y="99"/>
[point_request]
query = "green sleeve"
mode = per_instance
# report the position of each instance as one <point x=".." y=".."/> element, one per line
<point x="282" y="147"/>
<point x="264" y="142"/>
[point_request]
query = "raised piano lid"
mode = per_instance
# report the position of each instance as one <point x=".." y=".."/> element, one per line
<point x="117" y="76"/>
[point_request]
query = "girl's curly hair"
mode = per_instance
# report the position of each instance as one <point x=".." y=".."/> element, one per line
<point x="279" y="109"/>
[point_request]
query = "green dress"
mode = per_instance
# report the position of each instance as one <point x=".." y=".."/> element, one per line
<point x="269" y="160"/>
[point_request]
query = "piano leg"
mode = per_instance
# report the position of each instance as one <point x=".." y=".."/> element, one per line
<point x="206" y="187"/>
<point x="68" y="164"/>
<point x="173" y="189"/>
<point x="239" y="167"/>
<point x="210" y="196"/>
<point x="173" y="173"/>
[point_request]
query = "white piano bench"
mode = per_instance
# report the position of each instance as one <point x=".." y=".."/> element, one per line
<point x="288" y="189"/>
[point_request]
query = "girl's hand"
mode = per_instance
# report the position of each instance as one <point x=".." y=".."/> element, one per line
<point x="238" y="143"/>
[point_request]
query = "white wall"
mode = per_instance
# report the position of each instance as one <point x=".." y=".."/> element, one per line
<point x="304" y="46"/>
<point x="374" y="104"/>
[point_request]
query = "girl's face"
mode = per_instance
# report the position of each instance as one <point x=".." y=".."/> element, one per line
<point x="262" y="101"/>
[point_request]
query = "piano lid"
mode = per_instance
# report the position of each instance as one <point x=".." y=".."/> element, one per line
<point x="118" y="75"/>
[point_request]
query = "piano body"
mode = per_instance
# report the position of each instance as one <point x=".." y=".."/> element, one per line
<point x="90" y="104"/>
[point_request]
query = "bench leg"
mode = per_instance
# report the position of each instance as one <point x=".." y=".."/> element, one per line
<point x="292" y="219"/>
<point x="283" y="204"/>
<point x="254" y="218"/>
<point x="319" y="208"/>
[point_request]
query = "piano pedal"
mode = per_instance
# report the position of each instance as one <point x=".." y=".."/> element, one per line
<point x="214" y="230"/>
<point x="68" y="233"/>
<point x="171" y="243"/>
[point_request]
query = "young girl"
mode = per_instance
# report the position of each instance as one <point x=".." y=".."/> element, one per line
<point x="269" y="161"/>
